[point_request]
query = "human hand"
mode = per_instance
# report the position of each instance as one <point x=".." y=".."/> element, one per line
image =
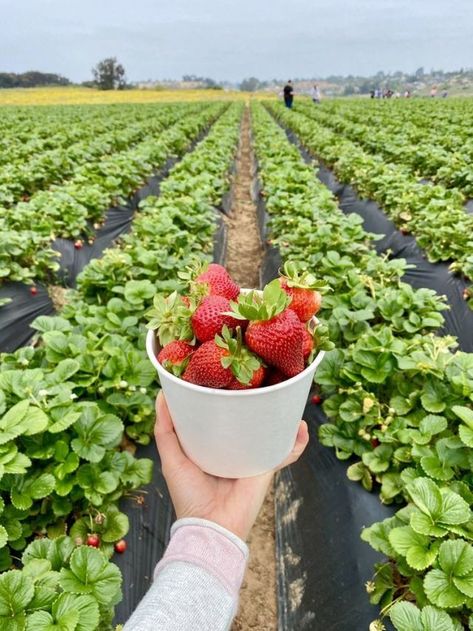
<point x="233" y="504"/>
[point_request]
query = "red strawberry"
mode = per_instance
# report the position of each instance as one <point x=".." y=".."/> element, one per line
<point x="33" y="290"/>
<point x="305" y="302"/>
<point x="219" y="282"/>
<point x="274" y="332"/>
<point x="274" y="376"/>
<point x="301" y="286"/>
<point x="308" y="343"/>
<point x="93" y="540"/>
<point x="255" y="382"/>
<point x="78" y="244"/>
<point x="208" y="318"/>
<point x="316" y="399"/>
<point x="205" y="367"/>
<point x="175" y="356"/>
<point x="278" y="341"/>
<point x="374" y="442"/>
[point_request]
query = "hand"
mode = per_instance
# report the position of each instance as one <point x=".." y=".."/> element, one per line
<point x="233" y="504"/>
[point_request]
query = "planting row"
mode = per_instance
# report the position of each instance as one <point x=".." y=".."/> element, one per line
<point x="114" y="131"/>
<point x="397" y="396"/>
<point x="417" y="149"/>
<point x="435" y="215"/>
<point x="66" y="402"/>
<point x="69" y="211"/>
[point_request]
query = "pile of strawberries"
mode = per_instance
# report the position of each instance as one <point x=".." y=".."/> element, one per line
<point x="218" y="337"/>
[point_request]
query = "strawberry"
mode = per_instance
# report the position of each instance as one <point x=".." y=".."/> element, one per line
<point x="247" y="369"/>
<point x="274" y="331"/>
<point x="219" y="282"/>
<point x="205" y="367"/>
<point x="274" y="376"/>
<point x="316" y="399"/>
<point x="301" y="287"/>
<point x="93" y="540"/>
<point x="210" y="317"/>
<point x="33" y="290"/>
<point x="120" y="546"/>
<point x="175" y="356"/>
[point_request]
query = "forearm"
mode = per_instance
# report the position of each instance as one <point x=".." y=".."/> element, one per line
<point x="197" y="582"/>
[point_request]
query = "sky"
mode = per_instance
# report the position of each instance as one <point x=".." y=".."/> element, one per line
<point x="233" y="39"/>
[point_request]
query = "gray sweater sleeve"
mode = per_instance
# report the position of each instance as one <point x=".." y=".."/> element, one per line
<point x="196" y="583"/>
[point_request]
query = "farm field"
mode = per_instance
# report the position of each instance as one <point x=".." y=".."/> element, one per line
<point x="102" y="202"/>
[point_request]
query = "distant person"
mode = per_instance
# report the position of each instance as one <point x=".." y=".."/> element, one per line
<point x="315" y="94"/>
<point x="377" y="93"/>
<point x="407" y="94"/>
<point x="444" y="94"/>
<point x="433" y="92"/>
<point x="288" y="94"/>
<point x="372" y="93"/>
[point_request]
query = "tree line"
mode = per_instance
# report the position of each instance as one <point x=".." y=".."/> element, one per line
<point x="31" y="79"/>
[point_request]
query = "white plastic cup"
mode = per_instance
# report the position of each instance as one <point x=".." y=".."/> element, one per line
<point x="235" y="433"/>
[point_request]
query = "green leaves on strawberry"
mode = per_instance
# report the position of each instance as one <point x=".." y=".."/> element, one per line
<point x="253" y="306"/>
<point x="247" y="369"/>
<point x="171" y="317"/>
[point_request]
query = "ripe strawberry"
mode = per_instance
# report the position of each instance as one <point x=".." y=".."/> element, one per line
<point x="301" y="287"/>
<point x="374" y="442"/>
<point x="274" y="332"/>
<point x="316" y="399"/>
<point x="209" y="319"/>
<point x="175" y="356"/>
<point x="205" y="367"/>
<point x="33" y="290"/>
<point x="78" y="244"/>
<point x="255" y="381"/>
<point x="120" y="546"/>
<point x="219" y="282"/>
<point x="274" y="376"/>
<point x="308" y="343"/>
<point x="93" y="540"/>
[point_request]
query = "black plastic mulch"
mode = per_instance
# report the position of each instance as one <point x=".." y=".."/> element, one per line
<point x="322" y="563"/>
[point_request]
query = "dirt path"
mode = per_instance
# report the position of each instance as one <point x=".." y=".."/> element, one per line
<point x="258" y="609"/>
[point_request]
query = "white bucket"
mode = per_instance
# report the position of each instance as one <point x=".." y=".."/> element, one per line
<point x="235" y="433"/>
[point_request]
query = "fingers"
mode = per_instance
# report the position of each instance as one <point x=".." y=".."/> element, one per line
<point x="302" y="439"/>
<point x="169" y="448"/>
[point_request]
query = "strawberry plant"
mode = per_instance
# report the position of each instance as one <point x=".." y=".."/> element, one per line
<point x="397" y="396"/>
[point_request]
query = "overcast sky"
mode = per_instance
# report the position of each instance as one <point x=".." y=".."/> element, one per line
<point x="232" y="39"/>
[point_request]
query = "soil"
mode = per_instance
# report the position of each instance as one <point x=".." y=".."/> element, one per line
<point x="258" y="607"/>
<point x="244" y="249"/>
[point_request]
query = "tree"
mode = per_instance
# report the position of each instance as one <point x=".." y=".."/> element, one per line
<point x="109" y="74"/>
<point x="250" y="85"/>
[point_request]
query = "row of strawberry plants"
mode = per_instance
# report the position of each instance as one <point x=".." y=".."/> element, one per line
<point x="419" y="152"/>
<point x="434" y="214"/>
<point x="99" y="137"/>
<point x="397" y="396"/>
<point x="447" y="123"/>
<point x="67" y="401"/>
<point x="67" y="211"/>
<point x="28" y="131"/>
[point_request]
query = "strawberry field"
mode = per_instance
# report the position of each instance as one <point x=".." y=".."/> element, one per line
<point x="102" y="211"/>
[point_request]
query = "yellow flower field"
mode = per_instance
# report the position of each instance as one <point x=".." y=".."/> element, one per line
<point x="78" y="95"/>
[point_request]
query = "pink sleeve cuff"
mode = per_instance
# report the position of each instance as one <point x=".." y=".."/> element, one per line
<point x="209" y="546"/>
